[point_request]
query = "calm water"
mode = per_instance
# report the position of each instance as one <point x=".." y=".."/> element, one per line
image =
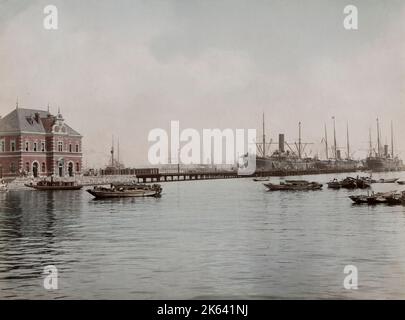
<point x="205" y="239"/>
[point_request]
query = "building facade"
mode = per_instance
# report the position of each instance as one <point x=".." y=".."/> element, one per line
<point x="39" y="144"/>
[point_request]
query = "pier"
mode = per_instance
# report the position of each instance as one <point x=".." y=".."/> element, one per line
<point x="154" y="175"/>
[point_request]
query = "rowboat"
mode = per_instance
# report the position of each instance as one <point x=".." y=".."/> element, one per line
<point x="334" y="184"/>
<point x="388" y="180"/>
<point x="126" y="191"/>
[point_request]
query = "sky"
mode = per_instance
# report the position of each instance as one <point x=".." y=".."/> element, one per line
<point x="126" y="67"/>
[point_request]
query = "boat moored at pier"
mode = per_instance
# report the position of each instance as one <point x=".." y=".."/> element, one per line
<point x="51" y="185"/>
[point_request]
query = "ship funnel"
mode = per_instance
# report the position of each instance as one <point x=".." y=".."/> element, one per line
<point x="281" y="142"/>
<point x="385" y="150"/>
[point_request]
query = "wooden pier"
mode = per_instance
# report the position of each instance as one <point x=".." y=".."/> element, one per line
<point x="192" y="176"/>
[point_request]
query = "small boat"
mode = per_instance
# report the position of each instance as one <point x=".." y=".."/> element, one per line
<point x="360" y="199"/>
<point x="401" y="182"/>
<point x="3" y="186"/>
<point x="349" y="183"/>
<point x="46" y="185"/>
<point x="261" y="179"/>
<point x="354" y="183"/>
<point x="396" y="198"/>
<point x="293" y="185"/>
<point x="126" y="191"/>
<point x="368" y="179"/>
<point x="378" y="198"/>
<point x="334" y="184"/>
<point x="388" y="180"/>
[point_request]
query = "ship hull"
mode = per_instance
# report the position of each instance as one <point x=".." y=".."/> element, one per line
<point x="383" y="164"/>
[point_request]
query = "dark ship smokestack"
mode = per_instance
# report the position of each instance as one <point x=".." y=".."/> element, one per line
<point x="281" y="142"/>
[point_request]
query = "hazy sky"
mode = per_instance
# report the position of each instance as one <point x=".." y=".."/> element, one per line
<point x="126" y="67"/>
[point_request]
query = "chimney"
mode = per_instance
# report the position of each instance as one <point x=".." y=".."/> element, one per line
<point x="37" y="117"/>
<point x="385" y="150"/>
<point x="281" y="142"/>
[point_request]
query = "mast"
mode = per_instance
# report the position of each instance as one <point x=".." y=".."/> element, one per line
<point x="392" y="141"/>
<point x="370" y="143"/>
<point x="347" y="141"/>
<point x="334" y="138"/>
<point x="378" y="139"/>
<point x="112" y="152"/>
<point x="299" y="140"/>
<point x="264" y="140"/>
<point x="326" y="144"/>
<point x="118" y="153"/>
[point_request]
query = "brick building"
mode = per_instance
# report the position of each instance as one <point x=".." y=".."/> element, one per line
<point x="37" y="143"/>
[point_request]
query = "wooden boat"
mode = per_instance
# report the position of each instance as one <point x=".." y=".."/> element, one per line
<point x="261" y="179"/>
<point x="359" y="199"/>
<point x="378" y="198"/>
<point x="126" y="191"/>
<point x="354" y="183"/>
<point x="293" y="185"/>
<point x="46" y="185"/>
<point x="334" y="184"/>
<point x="388" y="180"/>
<point x="401" y="182"/>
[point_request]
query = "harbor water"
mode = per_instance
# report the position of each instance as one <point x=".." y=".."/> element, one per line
<point x="213" y="239"/>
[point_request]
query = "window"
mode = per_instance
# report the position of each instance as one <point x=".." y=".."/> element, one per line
<point x="77" y="167"/>
<point x="42" y="146"/>
<point x="35" y="147"/>
<point x="2" y="146"/>
<point x="27" y="146"/>
<point x="12" y="146"/>
<point x="43" y="167"/>
<point x="27" y="167"/>
<point x="13" y="167"/>
<point x="77" y="148"/>
<point x="70" y="147"/>
<point x="60" y="146"/>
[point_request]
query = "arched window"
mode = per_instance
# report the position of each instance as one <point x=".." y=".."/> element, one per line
<point x="77" y="167"/>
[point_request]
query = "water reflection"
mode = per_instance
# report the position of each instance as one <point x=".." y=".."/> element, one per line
<point x="218" y="239"/>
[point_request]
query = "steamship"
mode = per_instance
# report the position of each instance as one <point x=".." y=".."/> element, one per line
<point x="281" y="159"/>
<point x="293" y="159"/>
<point x="379" y="160"/>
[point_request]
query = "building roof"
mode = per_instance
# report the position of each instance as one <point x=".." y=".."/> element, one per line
<point x="29" y="120"/>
